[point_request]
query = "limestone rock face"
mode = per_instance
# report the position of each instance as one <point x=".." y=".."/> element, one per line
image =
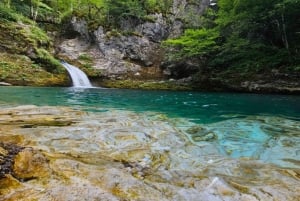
<point x="117" y="47"/>
<point x="277" y="85"/>
<point x="117" y="55"/>
<point x="80" y="26"/>
<point x="120" y="55"/>
<point x="155" y="31"/>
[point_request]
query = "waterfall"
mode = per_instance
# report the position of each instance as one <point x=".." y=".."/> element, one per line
<point x="79" y="78"/>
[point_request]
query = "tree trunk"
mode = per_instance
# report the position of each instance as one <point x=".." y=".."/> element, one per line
<point x="284" y="35"/>
<point x="35" y="13"/>
<point x="31" y="9"/>
<point x="8" y="3"/>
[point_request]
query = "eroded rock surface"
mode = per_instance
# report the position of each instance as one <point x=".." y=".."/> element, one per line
<point x="120" y="155"/>
<point x="135" y="47"/>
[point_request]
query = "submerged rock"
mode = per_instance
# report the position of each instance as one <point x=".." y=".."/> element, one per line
<point x="194" y="130"/>
<point x="198" y="133"/>
<point x="120" y="155"/>
<point x="205" y="137"/>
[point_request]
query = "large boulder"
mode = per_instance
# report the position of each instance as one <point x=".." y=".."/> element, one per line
<point x="115" y="46"/>
<point x="156" y="30"/>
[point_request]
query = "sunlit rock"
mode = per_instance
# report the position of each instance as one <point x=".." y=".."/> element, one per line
<point x="8" y="184"/>
<point x="3" y="152"/>
<point x="121" y="155"/>
<point x="8" y="152"/>
<point x="29" y="164"/>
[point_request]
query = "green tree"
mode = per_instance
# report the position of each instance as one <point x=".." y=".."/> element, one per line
<point x="246" y="34"/>
<point x="199" y="42"/>
<point x="118" y="10"/>
<point x="7" y="3"/>
<point x="263" y="28"/>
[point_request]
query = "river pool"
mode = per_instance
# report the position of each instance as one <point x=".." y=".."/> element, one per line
<point x="153" y="145"/>
<point x="195" y="106"/>
<point x="242" y="124"/>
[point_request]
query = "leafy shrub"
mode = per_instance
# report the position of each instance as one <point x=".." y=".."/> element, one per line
<point x="85" y="57"/>
<point x="194" y="42"/>
<point x="47" y="60"/>
<point x="8" y="14"/>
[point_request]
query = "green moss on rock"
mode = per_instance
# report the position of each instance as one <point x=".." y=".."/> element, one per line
<point x="138" y="84"/>
<point x="20" y="70"/>
<point x="26" y="53"/>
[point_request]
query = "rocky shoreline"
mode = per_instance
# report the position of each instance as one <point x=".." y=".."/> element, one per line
<point x="55" y="153"/>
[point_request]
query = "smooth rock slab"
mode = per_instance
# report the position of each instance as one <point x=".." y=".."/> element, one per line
<point x="120" y="155"/>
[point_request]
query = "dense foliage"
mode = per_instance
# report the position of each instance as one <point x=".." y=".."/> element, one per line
<point x="245" y="34"/>
<point x="105" y="12"/>
<point x="233" y="35"/>
<point x="26" y="51"/>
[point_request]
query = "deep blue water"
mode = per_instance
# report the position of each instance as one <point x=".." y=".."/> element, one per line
<point x="196" y="106"/>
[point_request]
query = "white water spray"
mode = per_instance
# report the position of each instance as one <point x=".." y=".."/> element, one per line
<point x="79" y="78"/>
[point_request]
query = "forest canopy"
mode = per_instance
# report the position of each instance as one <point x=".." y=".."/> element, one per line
<point x="108" y="11"/>
<point x="241" y="34"/>
<point x="245" y="34"/>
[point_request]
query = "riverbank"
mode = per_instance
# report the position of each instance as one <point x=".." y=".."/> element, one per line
<point x="131" y="57"/>
<point x="60" y="153"/>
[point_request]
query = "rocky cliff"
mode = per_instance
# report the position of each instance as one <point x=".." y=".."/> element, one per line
<point x="133" y="54"/>
<point x="134" y="51"/>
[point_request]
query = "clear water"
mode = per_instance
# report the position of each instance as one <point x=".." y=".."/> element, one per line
<point x="195" y="106"/>
<point x="93" y="152"/>
<point x="264" y="127"/>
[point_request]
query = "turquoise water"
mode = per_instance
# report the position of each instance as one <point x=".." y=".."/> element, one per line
<point x="195" y="106"/>
<point x="263" y="127"/>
